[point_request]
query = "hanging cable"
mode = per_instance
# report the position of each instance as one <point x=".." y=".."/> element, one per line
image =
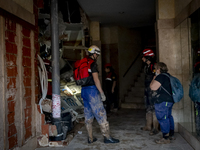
<point x="43" y="80"/>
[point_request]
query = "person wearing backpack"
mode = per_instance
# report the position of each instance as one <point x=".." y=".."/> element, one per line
<point x="163" y="102"/>
<point x="93" y="96"/>
<point x="194" y="92"/>
<point x="149" y="71"/>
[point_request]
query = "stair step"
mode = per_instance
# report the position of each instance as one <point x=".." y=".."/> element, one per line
<point x="141" y="80"/>
<point x="136" y="94"/>
<point x="139" y="84"/>
<point x="134" y="99"/>
<point x="137" y="89"/>
<point x="142" y="75"/>
<point x="133" y="105"/>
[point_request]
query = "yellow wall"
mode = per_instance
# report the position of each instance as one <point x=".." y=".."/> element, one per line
<point x="27" y="4"/>
<point x="20" y="8"/>
<point x="180" y="4"/>
<point x="166" y="9"/>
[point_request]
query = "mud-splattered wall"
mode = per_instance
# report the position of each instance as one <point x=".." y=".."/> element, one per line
<point x="18" y="79"/>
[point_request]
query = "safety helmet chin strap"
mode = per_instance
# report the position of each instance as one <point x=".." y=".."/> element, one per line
<point x="95" y="59"/>
<point x="92" y="56"/>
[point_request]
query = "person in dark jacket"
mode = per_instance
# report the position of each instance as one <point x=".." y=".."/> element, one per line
<point x="110" y="88"/>
<point x="149" y="70"/>
<point x="163" y="102"/>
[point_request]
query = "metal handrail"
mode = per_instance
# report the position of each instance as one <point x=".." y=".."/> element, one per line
<point x="139" y="54"/>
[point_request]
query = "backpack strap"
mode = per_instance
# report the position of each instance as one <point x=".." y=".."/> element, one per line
<point x="166" y="75"/>
<point x="163" y="87"/>
<point x="165" y="90"/>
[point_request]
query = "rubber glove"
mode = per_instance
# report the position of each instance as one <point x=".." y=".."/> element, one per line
<point x="103" y="97"/>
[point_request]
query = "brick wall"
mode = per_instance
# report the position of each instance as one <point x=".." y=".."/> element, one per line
<point x="20" y="42"/>
<point x="11" y="91"/>
<point x="26" y="67"/>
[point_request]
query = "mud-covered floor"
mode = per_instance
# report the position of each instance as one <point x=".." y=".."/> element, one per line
<point x="125" y="125"/>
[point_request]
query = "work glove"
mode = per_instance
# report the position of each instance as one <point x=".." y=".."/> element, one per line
<point x="103" y="97"/>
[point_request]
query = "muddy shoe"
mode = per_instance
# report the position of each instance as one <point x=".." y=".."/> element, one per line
<point x="163" y="141"/>
<point x="153" y="132"/>
<point x="110" y="140"/>
<point x="172" y="138"/>
<point x="92" y="141"/>
<point x="145" y="128"/>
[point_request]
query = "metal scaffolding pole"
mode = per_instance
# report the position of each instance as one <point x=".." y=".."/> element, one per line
<point x="55" y="59"/>
<point x="56" y="108"/>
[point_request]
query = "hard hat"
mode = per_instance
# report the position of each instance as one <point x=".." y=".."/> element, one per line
<point x="94" y="50"/>
<point x="148" y="52"/>
<point x="107" y="65"/>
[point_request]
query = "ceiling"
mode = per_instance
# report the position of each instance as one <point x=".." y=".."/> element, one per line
<point x="127" y="13"/>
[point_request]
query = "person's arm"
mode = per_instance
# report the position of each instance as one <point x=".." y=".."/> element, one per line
<point x="113" y="86"/>
<point x="154" y="85"/>
<point x="97" y="81"/>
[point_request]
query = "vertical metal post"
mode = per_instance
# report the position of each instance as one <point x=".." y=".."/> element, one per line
<point x="55" y="60"/>
<point x="56" y="108"/>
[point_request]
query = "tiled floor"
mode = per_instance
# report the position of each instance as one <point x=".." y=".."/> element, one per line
<point x="125" y="125"/>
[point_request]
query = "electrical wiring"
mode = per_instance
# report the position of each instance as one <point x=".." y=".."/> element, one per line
<point x="43" y="80"/>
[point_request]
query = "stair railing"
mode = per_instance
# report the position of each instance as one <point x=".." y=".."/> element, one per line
<point x="139" y="54"/>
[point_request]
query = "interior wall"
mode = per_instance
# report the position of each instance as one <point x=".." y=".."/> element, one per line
<point x="19" y="80"/>
<point x="165" y="9"/>
<point x="129" y="46"/>
<point x="175" y="51"/>
<point x="120" y="47"/>
<point x="19" y="11"/>
<point x="180" y="5"/>
<point x="174" y="46"/>
<point x="95" y="35"/>
<point x="109" y="38"/>
<point x="27" y="4"/>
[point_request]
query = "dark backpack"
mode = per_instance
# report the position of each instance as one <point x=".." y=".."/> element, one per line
<point x="177" y="88"/>
<point x="81" y="73"/>
<point x="194" y="91"/>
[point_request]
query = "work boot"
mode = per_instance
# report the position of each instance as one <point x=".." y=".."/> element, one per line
<point x="149" y="120"/>
<point x="171" y="135"/>
<point x="164" y="140"/>
<point x="106" y="133"/>
<point x="91" y="139"/>
<point x="155" y="130"/>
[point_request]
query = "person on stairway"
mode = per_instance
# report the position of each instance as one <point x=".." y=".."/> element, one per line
<point x="110" y="89"/>
<point x="93" y="96"/>
<point x="163" y="103"/>
<point x="149" y="70"/>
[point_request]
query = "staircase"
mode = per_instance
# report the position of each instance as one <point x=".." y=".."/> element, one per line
<point x="134" y="98"/>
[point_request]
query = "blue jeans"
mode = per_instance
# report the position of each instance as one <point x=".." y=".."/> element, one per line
<point x="93" y="106"/>
<point x="164" y="115"/>
<point x="197" y="121"/>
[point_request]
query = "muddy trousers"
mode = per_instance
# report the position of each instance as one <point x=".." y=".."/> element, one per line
<point x="164" y="115"/>
<point x="151" y="119"/>
<point x="93" y="107"/>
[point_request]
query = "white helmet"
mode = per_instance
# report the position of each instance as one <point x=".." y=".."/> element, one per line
<point x="94" y="50"/>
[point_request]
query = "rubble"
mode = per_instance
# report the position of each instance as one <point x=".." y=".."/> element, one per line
<point x="43" y="140"/>
<point x="47" y="105"/>
<point x="56" y="144"/>
<point x="52" y="130"/>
